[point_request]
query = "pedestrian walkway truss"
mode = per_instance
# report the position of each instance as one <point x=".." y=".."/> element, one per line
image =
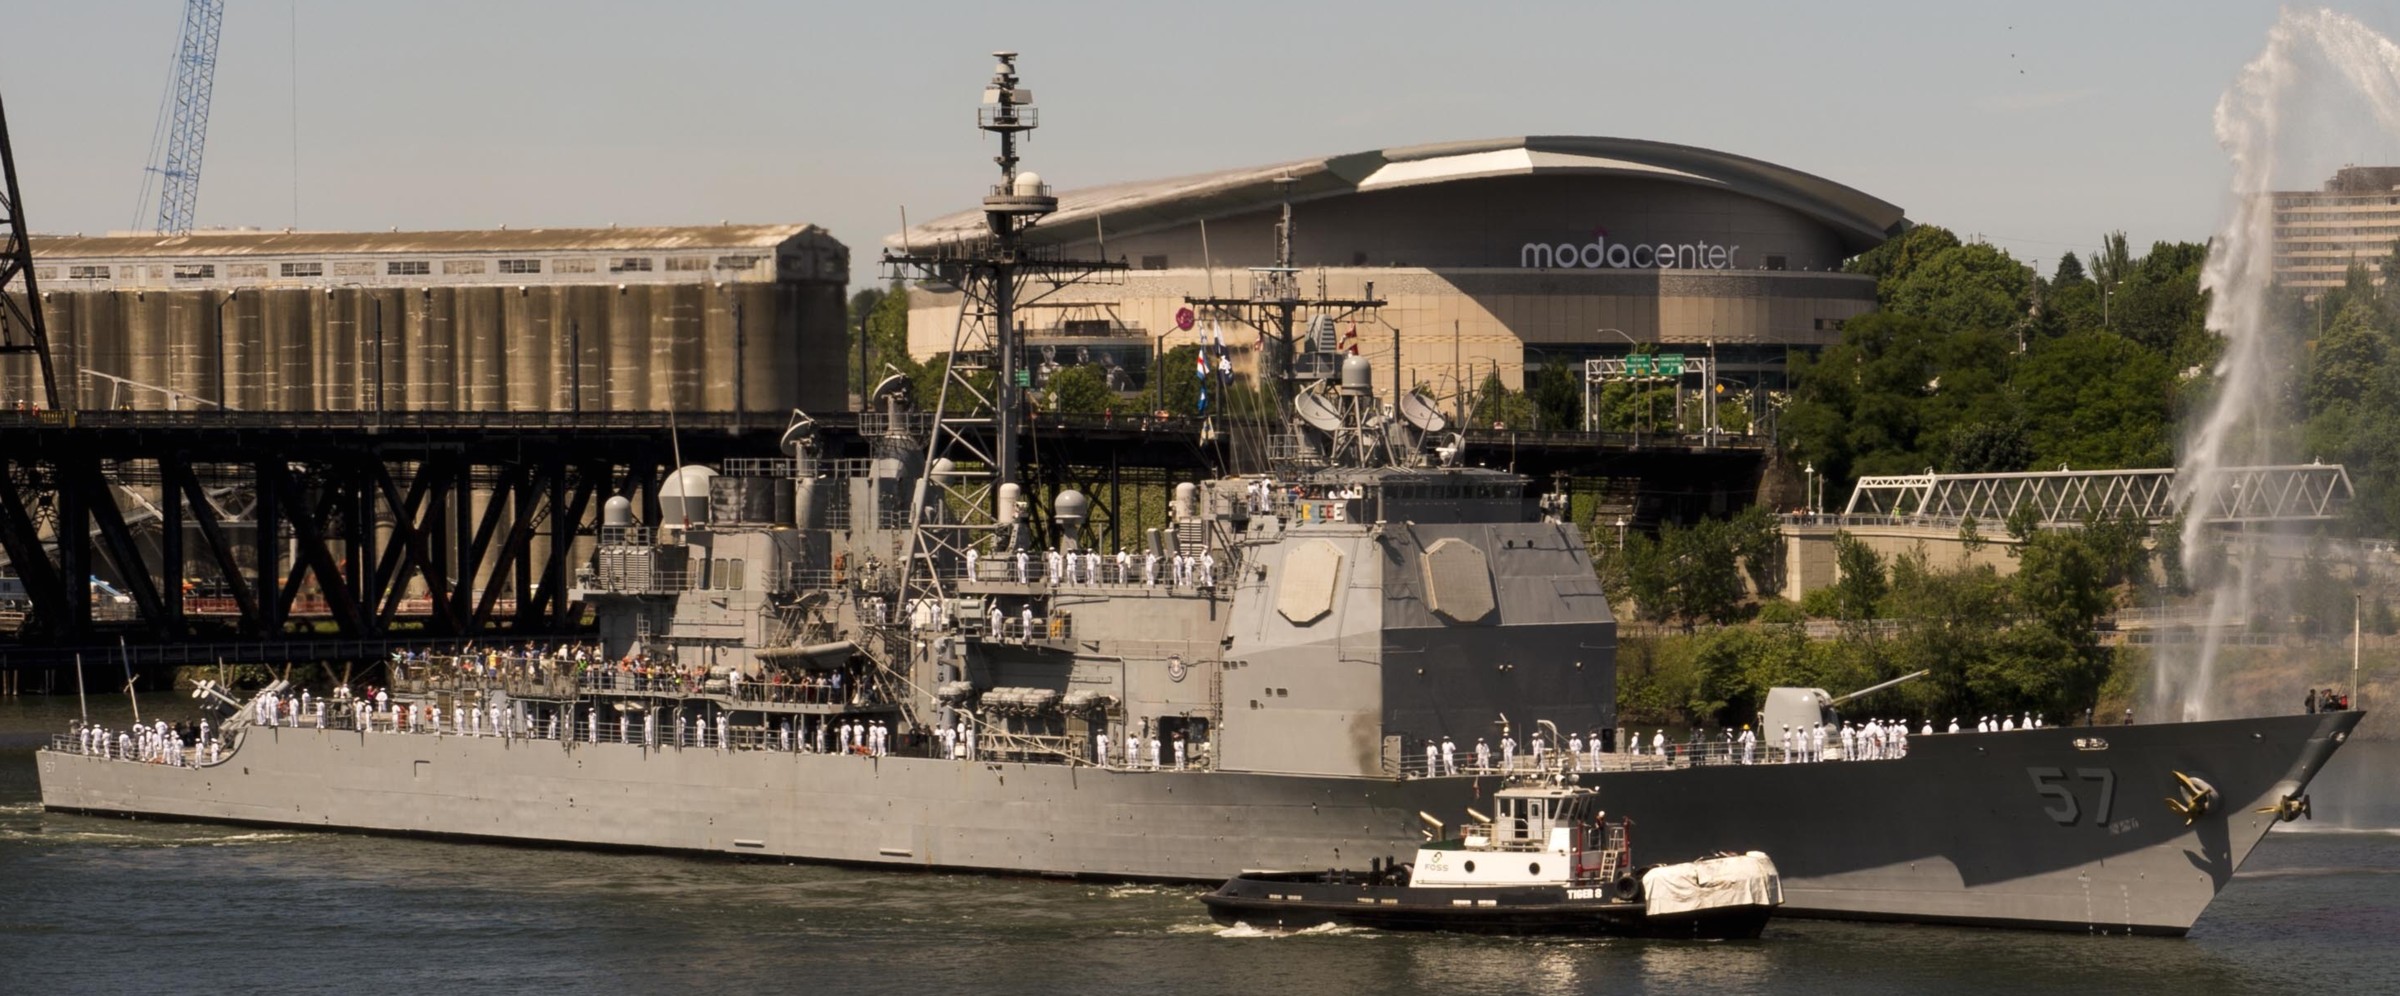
<point x="2292" y="493"/>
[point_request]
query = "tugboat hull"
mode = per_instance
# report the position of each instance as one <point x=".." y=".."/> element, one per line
<point x="1296" y="902"/>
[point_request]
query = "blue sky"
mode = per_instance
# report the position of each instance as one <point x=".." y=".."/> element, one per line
<point x="2039" y="125"/>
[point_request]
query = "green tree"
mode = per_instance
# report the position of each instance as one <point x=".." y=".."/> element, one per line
<point x="2095" y="400"/>
<point x="2054" y="656"/>
<point x="1496" y="405"/>
<point x="1557" y="396"/>
<point x="1970" y="287"/>
<point x="1757" y="540"/>
<point x="1990" y="447"/>
<point x="1081" y="389"/>
<point x="1860" y="583"/>
<point x="1178" y="388"/>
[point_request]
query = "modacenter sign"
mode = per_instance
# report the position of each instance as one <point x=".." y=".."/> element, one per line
<point x="1602" y="254"/>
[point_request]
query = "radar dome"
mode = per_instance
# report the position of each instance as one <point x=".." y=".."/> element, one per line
<point x="1358" y="376"/>
<point x="617" y="511"/>
<point x="683" y="498"/>
<point x="1071" y="508"/>
<point x="1029" y="184"/>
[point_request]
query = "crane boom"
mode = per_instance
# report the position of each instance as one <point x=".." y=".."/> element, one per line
<point x="187" y="131"/>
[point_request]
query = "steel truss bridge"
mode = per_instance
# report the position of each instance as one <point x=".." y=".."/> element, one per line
<point x="2236" y="495"/>
<point x="284" y="537"/>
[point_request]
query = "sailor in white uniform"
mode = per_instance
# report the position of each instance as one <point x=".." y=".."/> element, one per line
<point x="1433" y="759"/>
<point x="1749" y="745"/>
<point x="1508" y="753"/>
<point x="1483" y="755"/>
<point x="1154" y="750"/>
<point x="1021" y="559"/>
<point x="1575" y="745"/>
<point x="1091" y="567"/>
<point x="1208" y="569"/>
<point x="1124" y="566"/>
<point x="1449" y="757"/>
<point x="1100" y="748"/>
<point x="1026" y="633"/>
<point x="1133" y="749"/>
<point x="971" y="558"/>
<point x="1150" y="570"/>
<point x="1658" y="742"/>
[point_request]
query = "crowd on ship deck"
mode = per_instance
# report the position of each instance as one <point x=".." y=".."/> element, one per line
<point x="1091" y="568"/>
<point x="589" y="669"/>
<point x="1867" y="740"/>
<point x="158" y="742"/>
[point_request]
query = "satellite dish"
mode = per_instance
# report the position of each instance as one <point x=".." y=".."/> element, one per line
<point x="1317" y="412"/>
<point x="1417" y="411"/>
<point x="894" y="384"/>
<point x="801" y="433"/>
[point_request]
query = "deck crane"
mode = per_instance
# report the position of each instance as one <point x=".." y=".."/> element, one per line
<point x="183" y="118"/>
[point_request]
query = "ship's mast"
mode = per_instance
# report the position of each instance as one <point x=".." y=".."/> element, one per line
<point x="1274" y="308"/>
<point x="973" y="438"/>
<point x="1014" y="205"/>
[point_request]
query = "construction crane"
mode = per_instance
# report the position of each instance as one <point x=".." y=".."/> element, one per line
<point x="183" y="117"/>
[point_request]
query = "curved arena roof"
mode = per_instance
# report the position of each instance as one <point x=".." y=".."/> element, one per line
<point x="1149" y="205"/>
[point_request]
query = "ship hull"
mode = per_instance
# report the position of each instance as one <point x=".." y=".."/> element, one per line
<point x="1968" y="829"/>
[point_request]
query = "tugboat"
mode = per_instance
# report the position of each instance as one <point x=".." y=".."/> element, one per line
<point x="1552" y="863"/>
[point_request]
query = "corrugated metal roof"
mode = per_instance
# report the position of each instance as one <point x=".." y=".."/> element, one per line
<point x="529" y="240"/>
<point x="1132" y="208"/>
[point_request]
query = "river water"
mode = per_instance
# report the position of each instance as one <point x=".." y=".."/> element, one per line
<point x="103" y="905"/>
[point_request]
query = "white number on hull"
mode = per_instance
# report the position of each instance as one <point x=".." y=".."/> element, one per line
<point x="2051" y="784"/>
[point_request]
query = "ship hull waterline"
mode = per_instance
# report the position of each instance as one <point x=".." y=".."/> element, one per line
<point x="2060" y="828"/>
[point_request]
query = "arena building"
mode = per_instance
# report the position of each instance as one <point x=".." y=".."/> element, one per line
<point x="698" y="318"/>
<point x="1498" y="255"/>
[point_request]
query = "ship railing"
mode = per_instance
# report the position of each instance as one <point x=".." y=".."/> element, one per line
<point x="639" y="581"/>
<point x="1002" y="570"/>
<point x="797" y="694"/>
<point x="609" y="680"/>
<point x="193" y="756"/>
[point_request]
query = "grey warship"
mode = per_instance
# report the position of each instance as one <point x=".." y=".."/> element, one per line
<point x="894" y="662"/>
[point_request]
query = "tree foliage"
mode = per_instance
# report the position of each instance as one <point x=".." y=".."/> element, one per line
<point x="1976" y="365"/>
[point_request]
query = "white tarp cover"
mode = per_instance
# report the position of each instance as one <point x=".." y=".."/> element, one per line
<point x="1713" y="883"/>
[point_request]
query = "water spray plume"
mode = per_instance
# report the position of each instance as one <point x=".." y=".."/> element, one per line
<point x="2257" y="123"/>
